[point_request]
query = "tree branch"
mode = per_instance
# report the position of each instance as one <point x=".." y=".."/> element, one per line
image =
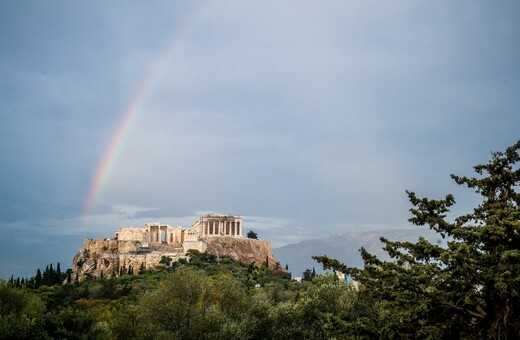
<point x="481" y="315"/>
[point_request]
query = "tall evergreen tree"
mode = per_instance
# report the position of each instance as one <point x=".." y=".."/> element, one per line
<point x="69" y="275"/>
<point x="470" y="287"/>
<point x="46" y="276"/>
<point x="58" y="275"/>
<point x="38" y="278"/>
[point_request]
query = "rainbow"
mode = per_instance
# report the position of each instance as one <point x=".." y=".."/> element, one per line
<point x="108" y="161"/>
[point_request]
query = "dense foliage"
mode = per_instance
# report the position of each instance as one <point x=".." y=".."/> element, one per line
<point x="203" y="298"/>
<point x="469" y="289"/>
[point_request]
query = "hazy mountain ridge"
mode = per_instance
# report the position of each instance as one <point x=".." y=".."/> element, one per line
<point x="344" y="247"/>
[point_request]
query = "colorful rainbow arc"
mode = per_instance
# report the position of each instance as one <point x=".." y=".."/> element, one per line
<point x="108" y="161"/>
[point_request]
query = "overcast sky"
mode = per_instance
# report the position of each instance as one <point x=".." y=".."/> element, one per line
<point x="307" y="118"/>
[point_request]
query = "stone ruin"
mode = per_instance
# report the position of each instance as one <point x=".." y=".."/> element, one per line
<point x="136" y="249"/>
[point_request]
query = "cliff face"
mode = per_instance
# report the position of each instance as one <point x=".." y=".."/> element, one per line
<point x="97" y="258"/>
<point x="107" y="258"/>
<point x="241" y="249"/>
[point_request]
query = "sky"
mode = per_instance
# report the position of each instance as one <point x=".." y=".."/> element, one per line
<point x="306" y="118"/>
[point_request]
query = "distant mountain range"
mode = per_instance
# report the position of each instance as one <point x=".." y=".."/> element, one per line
<point x="345" y="247"/>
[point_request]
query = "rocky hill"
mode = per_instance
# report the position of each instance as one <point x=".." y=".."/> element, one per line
<point x="111" y="257"/>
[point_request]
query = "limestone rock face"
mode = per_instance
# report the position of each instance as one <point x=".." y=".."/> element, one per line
<point x="97" y="258"/>
<point x="241" y="249"/>
<point x="109" y="257"/>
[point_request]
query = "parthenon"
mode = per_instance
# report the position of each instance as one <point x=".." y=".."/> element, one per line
<point x="218" y="225"/>
<point x="210" y="225"/>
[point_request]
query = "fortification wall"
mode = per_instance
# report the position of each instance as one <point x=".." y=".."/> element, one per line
<point x="127" y="246"/>
<point x="145" y="261"/>
<point x="197" y="245"/>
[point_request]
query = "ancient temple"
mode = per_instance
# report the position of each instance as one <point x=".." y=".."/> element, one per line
<point x="211" y="225"/>
<point x="218" y="225"/>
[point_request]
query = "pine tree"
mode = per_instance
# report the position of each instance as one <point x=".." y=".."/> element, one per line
<point x="469" y="288"/>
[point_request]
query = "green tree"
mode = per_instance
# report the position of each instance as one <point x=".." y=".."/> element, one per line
<point x="69" y="275"/>
<point x="190" y="305"/>
<point x="326" y="310"/>
<point x="58" y="275"/>
<point x="469" y="288"/>
<point x="180" y="300"/>
<point x="38" y="278"/>
<point x="308" y="274"/>
<point x="251" y="234"/>
<point x="21" y="313"/>
<point x="165" y="260"/>
<point x="142" y="268"/>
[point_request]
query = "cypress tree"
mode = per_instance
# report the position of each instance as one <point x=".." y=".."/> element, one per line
<point x="58" y="275"/>
<point x="38" y="278"/>
<point x="46" y="276"/>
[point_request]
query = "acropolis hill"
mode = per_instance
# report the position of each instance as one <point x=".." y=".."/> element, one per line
<point x="137" y="249"/>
